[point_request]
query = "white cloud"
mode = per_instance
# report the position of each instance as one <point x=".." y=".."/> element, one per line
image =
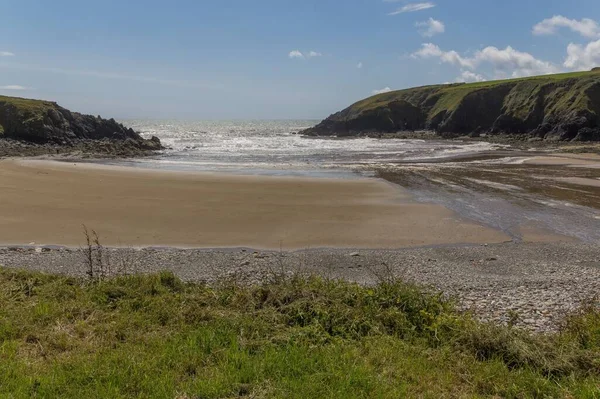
<point x="583" y="58"/>
<point x="13" y="87"/>
<point x="430" y="50"/>
<point x="431" y="27"/>
<point x="579" y="57"/>
<point x="468" y="76"/>
<point x="381" y="91"/>
<point x="585" y="27"/>
<point x="296" y="54"/>
<point x="6" y="54"/>
<point x="517" y="62"/>
<point x="304" y="56"/>
<point x="412" y="7"/>
<point x="508" y="60"/>
<point x="359" y="65"/>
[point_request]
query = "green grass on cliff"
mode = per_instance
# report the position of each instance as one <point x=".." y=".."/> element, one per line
<point x="27" y="105"/>
<point x="541" y="78"/>
<point x="27" y="109"/>
<point x="448" y="97"/>
<point x="157" y="337"/>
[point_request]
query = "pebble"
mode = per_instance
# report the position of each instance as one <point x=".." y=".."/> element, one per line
<point x="541" y="283"/>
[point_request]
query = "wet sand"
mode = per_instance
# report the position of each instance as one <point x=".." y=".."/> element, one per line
<point x="531" y="198"/>
<point x="571" y="160"/>
<point x="582" y="181"/>
<point x="45" y="202"/>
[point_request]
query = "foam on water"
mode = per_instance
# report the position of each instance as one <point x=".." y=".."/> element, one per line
<point x="269" y="146"/>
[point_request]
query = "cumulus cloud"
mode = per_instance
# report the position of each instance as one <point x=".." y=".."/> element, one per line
<point x="295" y="54"/>
<point x="509" y="62"/>
<point x="585" y="27"/>
<point x="583" y="58"/>
<point x="430" y="50"/>
<point x="515" y="63"/>
<point x="6" y="54"/>
<point x="431" y="27"/>
<point x="381" y="91"/>
<point x="468" y="76"/>
<point x="579" y="57"/>
<point x="412" y="7"/>
<point x="359" y="65"/>
<point x="13" y="87"/>
<point x="304" y="56"/>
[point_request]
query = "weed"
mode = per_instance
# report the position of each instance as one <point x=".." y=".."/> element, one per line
<point x="295" y="336"/>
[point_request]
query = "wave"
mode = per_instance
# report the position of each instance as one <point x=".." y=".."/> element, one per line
<point x="275" y="144"/>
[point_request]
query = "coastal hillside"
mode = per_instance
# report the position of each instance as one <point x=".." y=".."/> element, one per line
<point x="554" y="107"/>
<point x="45" y="122"/>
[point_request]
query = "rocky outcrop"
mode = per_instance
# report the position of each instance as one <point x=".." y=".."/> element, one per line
<point x="47" y="123"/>
<point x="553" y="107"/>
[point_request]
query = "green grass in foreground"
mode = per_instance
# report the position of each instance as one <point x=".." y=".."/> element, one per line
<point x="154" y="336"/>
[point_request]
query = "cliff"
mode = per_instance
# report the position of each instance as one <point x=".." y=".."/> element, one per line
<point x="44" y="122"/>
<point x="553" y="107"/>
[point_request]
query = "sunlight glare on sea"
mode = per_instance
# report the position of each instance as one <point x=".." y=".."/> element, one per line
<point x="272" y="147"/>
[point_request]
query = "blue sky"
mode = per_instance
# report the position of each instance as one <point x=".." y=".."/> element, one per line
<point x="276" y="59"/>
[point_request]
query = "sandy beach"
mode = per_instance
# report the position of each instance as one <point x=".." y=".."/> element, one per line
<point x="423" y="222"/>
<point x="46" y="203"/>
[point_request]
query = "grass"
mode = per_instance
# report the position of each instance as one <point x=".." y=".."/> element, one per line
<point x="522" y="100"/>
<point x="299" y="337"/>
<point x="29" y="112"/>
<point x="28" y="105"/>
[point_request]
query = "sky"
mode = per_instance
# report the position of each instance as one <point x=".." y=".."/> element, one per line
<point x="277" y="59"/>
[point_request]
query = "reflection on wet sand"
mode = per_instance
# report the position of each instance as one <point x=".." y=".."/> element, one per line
<point x="531" y="198"/>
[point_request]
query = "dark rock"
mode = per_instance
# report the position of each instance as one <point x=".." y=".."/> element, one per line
<point x="153" y="144"/>
<point x="588" y="134"/>
<point x="47" y="124"/>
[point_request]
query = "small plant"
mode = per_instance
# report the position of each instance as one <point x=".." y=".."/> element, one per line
<point x="386" y="273"/>
<point x="101" y="262"/>
<point x="513" y="318"/>
<point x="277" y="274"/>
<point x="96" y="257"/>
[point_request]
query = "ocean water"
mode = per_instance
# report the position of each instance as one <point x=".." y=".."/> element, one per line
<point x="272" y="147"/>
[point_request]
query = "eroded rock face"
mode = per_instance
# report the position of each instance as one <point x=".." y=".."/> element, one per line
<point x="564" y="107"/>
<point x="47" y="123"/>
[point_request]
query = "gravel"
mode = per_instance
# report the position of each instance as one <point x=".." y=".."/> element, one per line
<point x="536" y="284"/>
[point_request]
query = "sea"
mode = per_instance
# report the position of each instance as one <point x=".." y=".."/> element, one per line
<point x="273" y="147"/>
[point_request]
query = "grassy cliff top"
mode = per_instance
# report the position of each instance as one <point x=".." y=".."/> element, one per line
<point x="449" y="96"/>
<point x="28" y="105"/>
